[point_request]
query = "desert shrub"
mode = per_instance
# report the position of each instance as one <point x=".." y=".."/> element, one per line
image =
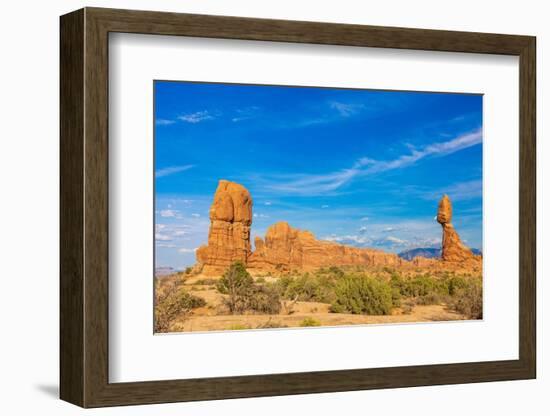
<point x="264" y="299"/>
<point x="308" y="288"/>
<point x="260" y="280"/>
<point x="362" y="295"/>
<point x="407" y="307"/>
<point x="188" y="270"/>
<point x="310" y="322"/>
<point x="468" y="300"/>
<point x="238" y="327"/>
<point x="455" y="284"/>
<point x="422" y="286"/>
<point x="425" y="289"/>
<point x="172" y="302"/>
<point x="244" y="294"/>
<point x="335" y="271"/>
<point x="237" y="283"/>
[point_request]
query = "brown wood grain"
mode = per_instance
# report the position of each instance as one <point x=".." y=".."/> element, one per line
<point x="84" y="207"/>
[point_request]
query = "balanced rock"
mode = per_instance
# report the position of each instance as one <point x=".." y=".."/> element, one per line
<point x="285" y="248"/>
<point x="452" y="248"/>
<point x="229" y="233"/>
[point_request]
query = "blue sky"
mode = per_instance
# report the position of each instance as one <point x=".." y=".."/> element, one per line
<point x="360" y="167"/>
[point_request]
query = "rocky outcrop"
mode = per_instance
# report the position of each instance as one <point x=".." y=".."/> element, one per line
<point x="452" y="248"/>
<point x="285" y="248"/>
<point x="229" y="234"/>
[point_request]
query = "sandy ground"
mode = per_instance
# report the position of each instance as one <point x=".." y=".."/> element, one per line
<point x="208" y="318"/>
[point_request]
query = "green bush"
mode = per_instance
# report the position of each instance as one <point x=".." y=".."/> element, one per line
<point x="244" y="295"/>
<point x="308" y="288"/>
<point x="237" y="283"/>
<point x="468" y="300"/>
<point x="238" y="327"/>
<point x="264" y="299"/>
<point x="310" y="322"/>
<point x="173" y="302"/>
<point x="362" y="295"/>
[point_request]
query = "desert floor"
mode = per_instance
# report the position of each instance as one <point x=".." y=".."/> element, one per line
<point x="208" y="318"/>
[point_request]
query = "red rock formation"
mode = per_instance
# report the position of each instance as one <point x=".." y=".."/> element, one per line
<point x="229" y="234"/>
<point x="286" y="248"/>
<point x="452" y="248"/>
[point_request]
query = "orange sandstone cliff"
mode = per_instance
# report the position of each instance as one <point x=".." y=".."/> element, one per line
<point x="285" y="248"/>
<point x="229" y="234"/>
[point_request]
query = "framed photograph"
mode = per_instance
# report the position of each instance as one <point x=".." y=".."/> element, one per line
<point x="255" y="207"/>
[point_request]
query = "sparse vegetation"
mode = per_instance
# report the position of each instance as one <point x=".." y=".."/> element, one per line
<point x="243" y="294"/>
<point x="310" y="322"/>
<point x="362" y="295"/>
<point x="171" y="302"/>
<point x="238" y="327"/>
<point x="468" y="300"/>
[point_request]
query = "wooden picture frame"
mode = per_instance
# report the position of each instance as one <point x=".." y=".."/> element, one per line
<point x="84" y="207"/>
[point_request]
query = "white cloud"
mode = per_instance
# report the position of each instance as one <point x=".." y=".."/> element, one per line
<point x="169" y="213"/>
<point x="171" y="170"/>
<point x="324" y="206"/>
<point x="267" y="203"/>
<point x="395" y="240"/>
<point x="187" y="250"/>
<point x="388" y="229"/>
<point x="162" y="237"/>
<point x="364" y="219"/>
<point x="314" y="184"/>
<point x="346" y="109"/>
<point x="164" y="245"/>
<point x="164" y="122"/>
<point x="348" y="239"/>
<point x="362" y="230"/>
<point x="196" y="215"/>
<point x="196" y="117"/>
<point x="246" y="113"/>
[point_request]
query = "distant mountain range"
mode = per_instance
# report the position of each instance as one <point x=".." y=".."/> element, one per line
<point x="164" y="271"/>
<point x="427" y="252"/>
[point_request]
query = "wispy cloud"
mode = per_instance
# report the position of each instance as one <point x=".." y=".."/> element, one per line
<point x="162" y="237"/>
<point x="308" y="184"/>
<point x="197" y="117"/>
<point x="170" y="170"/>
<point x="184" y="250"/>
<point x="164" y="122"/>
<point x="246" y="113"/>
<point x="347" y="109"/>
<point x="169" y="213"/>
